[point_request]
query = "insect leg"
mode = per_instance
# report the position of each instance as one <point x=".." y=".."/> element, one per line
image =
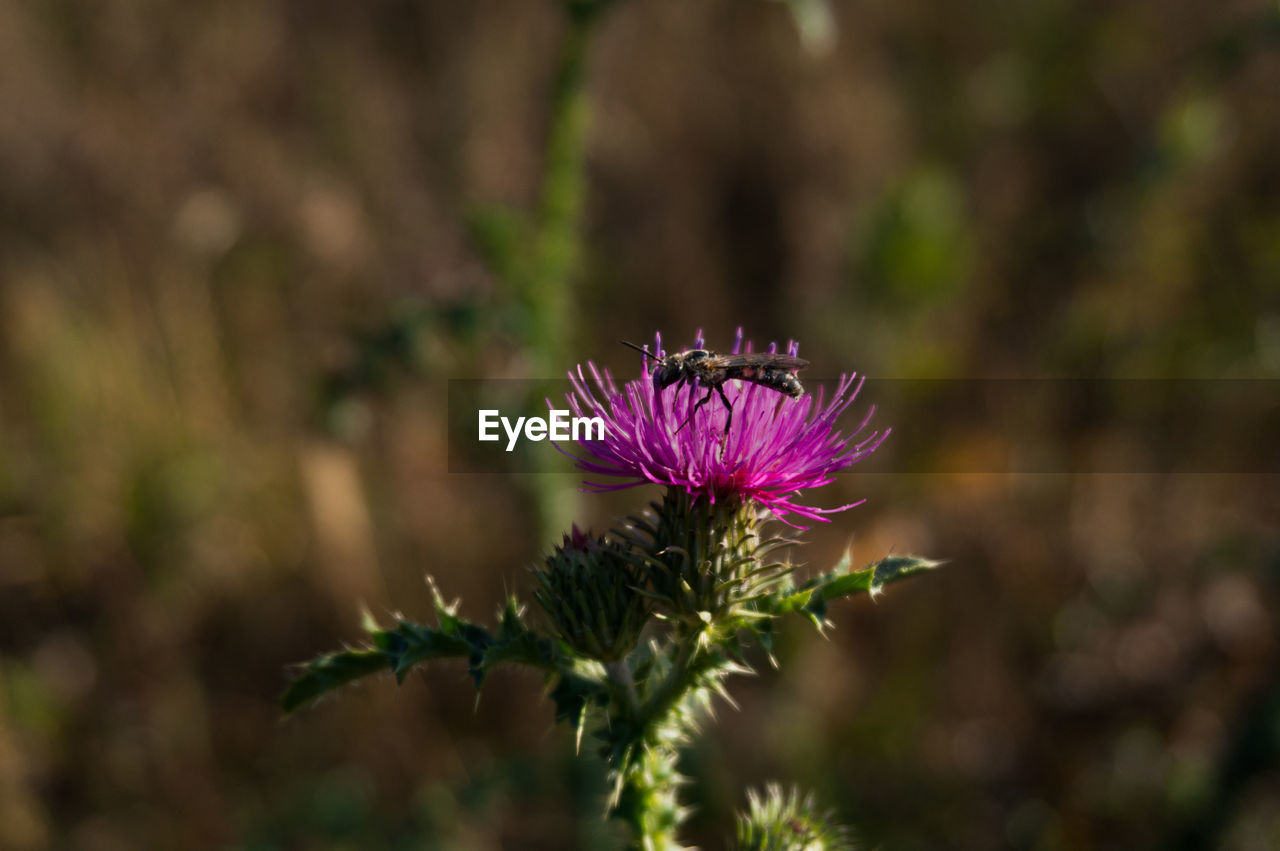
<point x="728" y="407"/>
<point x="704" y="400"/>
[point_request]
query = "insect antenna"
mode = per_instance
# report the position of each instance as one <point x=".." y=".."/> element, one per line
<point x="644" y="352"/>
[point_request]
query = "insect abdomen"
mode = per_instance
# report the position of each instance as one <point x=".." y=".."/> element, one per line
<point x="781" y="380"/>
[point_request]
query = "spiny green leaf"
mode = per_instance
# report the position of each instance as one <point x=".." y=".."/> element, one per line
<point x="409" y="643"/>
<point x="396" y="649"/>
<point x="815" y="610"/>
<point x="515" y="642"/>
<point x="326" y="673"/>
<point x="810" y="598"/>
<point x="573" y="696"/>
<point x="875" y="576"/>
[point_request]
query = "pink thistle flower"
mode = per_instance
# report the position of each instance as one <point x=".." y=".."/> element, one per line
<point x="777" y="447"/>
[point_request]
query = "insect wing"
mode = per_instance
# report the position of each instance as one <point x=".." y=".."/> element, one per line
<point x="758" y="359"/>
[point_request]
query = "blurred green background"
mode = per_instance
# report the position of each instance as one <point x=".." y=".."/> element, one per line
<point x="244" y="245"/>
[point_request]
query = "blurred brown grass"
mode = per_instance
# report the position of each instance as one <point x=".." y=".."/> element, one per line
<point x="206" y="211"/>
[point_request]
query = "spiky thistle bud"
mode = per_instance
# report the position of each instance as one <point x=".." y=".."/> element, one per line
<point x="590" y="589"/>
<point x="787" y="821"/>
<point x="705" y="558"/>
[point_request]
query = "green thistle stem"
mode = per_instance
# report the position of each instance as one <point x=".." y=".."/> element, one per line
<point x="620" y="676"/>
<point x="681" y="681"/>
<point x="647" y="800"/>
<point x="647" y="744"/>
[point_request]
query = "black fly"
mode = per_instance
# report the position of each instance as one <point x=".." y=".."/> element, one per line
<point x="710" y="370"/>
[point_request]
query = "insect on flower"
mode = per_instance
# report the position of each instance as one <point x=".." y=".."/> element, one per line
<point x="711" y="370"/>
<point x="780" y="448"/>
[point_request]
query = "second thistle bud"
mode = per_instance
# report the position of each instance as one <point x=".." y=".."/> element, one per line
<point x="589" y="589"/>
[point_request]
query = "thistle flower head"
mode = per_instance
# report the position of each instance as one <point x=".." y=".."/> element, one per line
<point x="776" y="447"/>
